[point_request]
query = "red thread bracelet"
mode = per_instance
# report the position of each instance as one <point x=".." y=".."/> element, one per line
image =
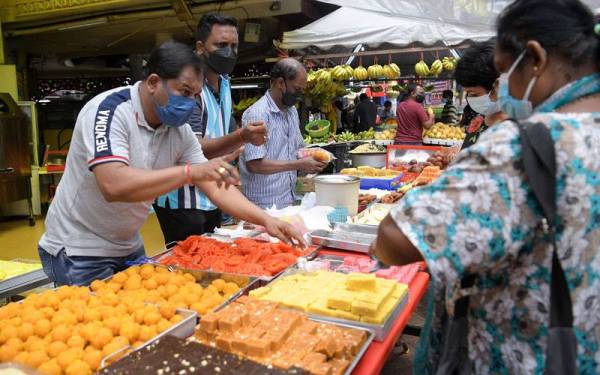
<point x="188" y="174"/>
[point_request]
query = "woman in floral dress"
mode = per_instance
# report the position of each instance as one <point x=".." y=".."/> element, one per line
<point x="481" y="217"/>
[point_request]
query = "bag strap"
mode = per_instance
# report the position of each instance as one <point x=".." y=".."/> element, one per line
<point x="539" y="162"/>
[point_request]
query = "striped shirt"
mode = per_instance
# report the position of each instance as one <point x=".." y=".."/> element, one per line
<point x="284" y="141"/>
<point x="210" y="119"/>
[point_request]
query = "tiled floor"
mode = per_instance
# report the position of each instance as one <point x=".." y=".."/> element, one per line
<point x="19" y="240"/>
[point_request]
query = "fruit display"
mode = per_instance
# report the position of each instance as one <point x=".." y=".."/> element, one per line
<point x="436" y="68"/>
<point x="245" y="103"/>
<point x="173" y="355"/>
<point x="345" y="136"/>
<point x="422" y="69"/>
<point x="391" y="71"/>
<point x="357" y="297"/>
<point x="322" y="89"/>
<point x="243" y="256"/>
<point x="10" y="269"/>
<point x="386" y="135"/>
<point x="449" y="63"/>
<point x="443" y="131"/>
<point x="366" y="171"/>
<point x="375" y="71"/>
<point x="372" y="215"/>
<point x="360" y="73"/>
<point x="365" y="135"/>
<point x="170" y="290"/>
<point x="342" y="72"/>
<point x="368" y="148"/>
<point x="264" y="332"/>
<point x="69" y="331"/>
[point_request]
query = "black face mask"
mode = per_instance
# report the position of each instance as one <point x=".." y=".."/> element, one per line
<point x="288" y="99"/>
<point x="420" y="98"/>
<point x="222" y="60"/>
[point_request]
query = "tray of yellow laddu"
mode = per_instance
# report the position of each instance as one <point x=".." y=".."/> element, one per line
<point x="360" y="300"/>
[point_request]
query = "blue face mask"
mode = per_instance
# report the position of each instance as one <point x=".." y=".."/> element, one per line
<point x="177" y="111"/>
<point x="518" y="109"/>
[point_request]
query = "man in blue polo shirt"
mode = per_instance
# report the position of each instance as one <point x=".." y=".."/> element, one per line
<point x="188" y="211"/>
<point x="130" y="145"/>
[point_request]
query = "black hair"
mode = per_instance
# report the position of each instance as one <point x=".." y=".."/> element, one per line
<point x="286" y="68"/>
<point x="410" y="89"/>
<point x="447" y="94"/>
<point x="206" y="23"/>
<point x="564" y="28"/>
<point x="387" y="103"/>
<point x="476" y="66"/>
<point x="363" y="97"/>
<point x="170" y="58"/>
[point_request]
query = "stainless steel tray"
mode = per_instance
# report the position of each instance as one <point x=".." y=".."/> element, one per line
<point x="199" y="274"/>
<point x="22" y="283"/>
<point x="380" y="331"/>
<point x="352" y="237"/>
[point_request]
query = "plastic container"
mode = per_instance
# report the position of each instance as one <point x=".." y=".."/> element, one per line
<point x="324" y="126"/>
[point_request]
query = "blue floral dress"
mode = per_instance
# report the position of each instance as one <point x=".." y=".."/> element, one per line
<point x="481" y="217"/>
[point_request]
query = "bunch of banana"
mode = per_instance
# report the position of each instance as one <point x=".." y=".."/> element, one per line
<point x="422" y="69"/>
<point x="360" y="73"/>
<point x="365" y="135"/>
<point x="375" y="71"/>
<point x="245" y="103"/>
<point x="319" y="82"/>
<point x="344" y="137"/>
<point x="449" y="63"/>
<point x="391" y="71"/>
<point x="436" y="68"/>
<point x="342" y="72"/>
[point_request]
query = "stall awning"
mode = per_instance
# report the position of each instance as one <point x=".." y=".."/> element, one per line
<point x="352" y="25"/>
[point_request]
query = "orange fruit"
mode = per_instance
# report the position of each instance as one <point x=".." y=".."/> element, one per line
<point x="42" y="327"/>
<point x="78" y="367"/>
<point x="50" y="367"/>
<point x="93" y="358"/>
<point x="56" y="347"/>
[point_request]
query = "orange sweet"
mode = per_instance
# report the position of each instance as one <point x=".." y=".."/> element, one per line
<point x="50" y="367"/>
<point x="78" y="367"/>
<point x="93" y="358"/>
<point x="42" y="327"/>
<point x="130" y="330"/>
<point x="56" y="347"/>
<point x="36" y="358"/>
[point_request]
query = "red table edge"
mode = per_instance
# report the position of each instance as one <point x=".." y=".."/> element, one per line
<point x="377" y="354"/>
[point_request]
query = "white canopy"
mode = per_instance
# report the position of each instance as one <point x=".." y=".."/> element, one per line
<point x="399" y="22"/>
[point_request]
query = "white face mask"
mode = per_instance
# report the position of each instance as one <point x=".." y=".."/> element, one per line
<point x="483" y="104"/>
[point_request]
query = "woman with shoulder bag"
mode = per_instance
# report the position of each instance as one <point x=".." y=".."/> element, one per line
<point x="486" y="231"/>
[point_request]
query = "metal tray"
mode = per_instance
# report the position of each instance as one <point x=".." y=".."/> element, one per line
<point x="24" y="282"/>
<point x="184" y="329"/>
<point x="380" y="331"/>
<point x="352" y="237"/>
<point x="371" y="336"/>
<point x="202" y="274"/>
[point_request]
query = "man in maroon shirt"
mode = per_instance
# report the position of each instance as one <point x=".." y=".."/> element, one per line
<point x="412" y="118"/>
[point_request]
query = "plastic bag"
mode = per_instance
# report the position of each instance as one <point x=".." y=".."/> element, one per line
<point x="317" y="153"/>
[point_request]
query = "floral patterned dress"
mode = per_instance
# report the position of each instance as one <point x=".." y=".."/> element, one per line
<point x="481" y="217"/>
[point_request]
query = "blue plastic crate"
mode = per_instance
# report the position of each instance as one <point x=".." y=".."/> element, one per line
<point x="382" y="183"/>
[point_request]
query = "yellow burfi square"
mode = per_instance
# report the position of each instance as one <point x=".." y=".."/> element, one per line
<point x="340" y="301"/>
<point x="346" y="315"/>
<point x="257" y="293"/>
<point x="399" y="291"/>
<point x="382" y="314"/>
<point x="320" y="308"/>
<point x="359" y="281"/>
<point x="363" y="308"/>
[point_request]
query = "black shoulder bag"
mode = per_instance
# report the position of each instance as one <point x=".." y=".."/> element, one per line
<point x="539" y="162"/>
